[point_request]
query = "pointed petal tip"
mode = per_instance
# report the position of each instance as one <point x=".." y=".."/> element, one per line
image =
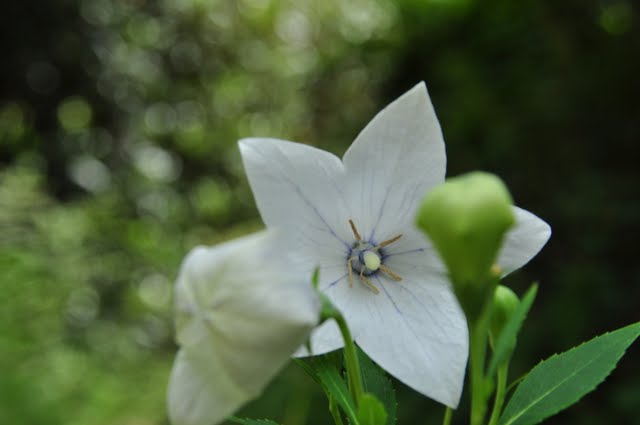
<point x="540" y="228"/>
<point x="418" y="90"/>
<point x="547" y="229"/>
<point x="524" y="241"/>
<point x="247" y="142"/>
<point x="453" y="400"/>
<point x="420" y="86"/>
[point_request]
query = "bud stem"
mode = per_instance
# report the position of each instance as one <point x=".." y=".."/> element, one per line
<point x="446" y="420"/>
<point x="477" y="355"/>
<point x="500" y="393"/>
<point x="479" y="337"/>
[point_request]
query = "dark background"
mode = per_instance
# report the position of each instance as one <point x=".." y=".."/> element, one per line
<point x="118" y="129"/>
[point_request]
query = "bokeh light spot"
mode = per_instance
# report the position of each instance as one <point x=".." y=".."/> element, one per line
<point x="12" y="123"/>
<point x="74" y="114"/>
<point x="90" y="174"/>
<point x="97" y="12"/>
<point x="155" y="163"/>
<point x="616" y="18"/>
<point x="160" y="118"/>
<point x="155" y="291"/>
<point x="83" y="305"/>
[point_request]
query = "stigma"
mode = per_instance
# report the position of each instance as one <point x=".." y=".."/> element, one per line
<point x="372" y="260"/>
<point x="366" y="259"/>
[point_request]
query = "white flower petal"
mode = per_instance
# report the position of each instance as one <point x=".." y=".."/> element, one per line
<point x="200" y="392"/>
<point x="301" y="190"/>
<point x="414" y="328"/>
<point x="324" y="338"/>
<point x="417" y="332"/>
<point x="242" y="310"/>
<point x="393" y="162"/>
<point x="414" y="253"/>
<point x="411" y="255"/>
<point x="524" y="241"/>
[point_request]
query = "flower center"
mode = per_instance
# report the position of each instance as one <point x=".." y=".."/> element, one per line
<point x="366" y="259"/>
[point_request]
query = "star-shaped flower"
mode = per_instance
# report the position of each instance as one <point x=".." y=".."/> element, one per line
<point x="354" y="218"/>
<point x="234" y="331"/>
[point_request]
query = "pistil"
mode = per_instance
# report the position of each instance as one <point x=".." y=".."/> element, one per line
<point x="366" y="259"/>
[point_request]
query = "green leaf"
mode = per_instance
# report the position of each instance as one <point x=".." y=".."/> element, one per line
<point x="315" y="278"/>
<point x="247" y="421"/>
<point x="334" y="385"/>
<point x="506" y="342"/>
<point x="376" y="382"/>
<point x="307" y="364"/>
<point x="337" y="389"/>
<point x="371" y="411"/>
<point x="563" y="379"/>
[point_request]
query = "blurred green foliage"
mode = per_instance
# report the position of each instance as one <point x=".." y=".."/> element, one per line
<point x="118" y="129"/>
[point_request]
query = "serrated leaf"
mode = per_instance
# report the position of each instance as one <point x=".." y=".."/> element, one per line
<point x="307" y="364"/>
<point x="371" y="411"/>
<point x="247" y="421"/>
<point x="563" y="379"/>
<point x="334" y="385"/>
<point x="506" y="342"/>
<point x="307" y="368"/>
<point x="376" y="382"/>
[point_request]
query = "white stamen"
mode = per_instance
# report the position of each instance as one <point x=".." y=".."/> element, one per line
<point x="371" y="260"/>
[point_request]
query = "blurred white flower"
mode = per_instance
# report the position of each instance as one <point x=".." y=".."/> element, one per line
<point x="354" y="218"/>
<point x="241" y="311"/>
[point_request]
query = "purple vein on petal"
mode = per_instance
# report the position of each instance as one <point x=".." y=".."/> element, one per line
<point x="411" y="251"/>
<point x="307" y="237"/>
<point x="305" y="199"/>
<point x="332" y="284"/>
<point x="388" y="295"/>
<point x="380" y="213"/>
<point x="400" y="313"/>
<point x="315" y="210"/>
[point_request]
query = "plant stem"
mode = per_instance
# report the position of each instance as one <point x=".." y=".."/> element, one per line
<point x="476" y="363"/>
<point x="478" y="351"/>
<point x="500" y="393"/>
<point x="354" y="377"/>
<point x="447" y="416"/>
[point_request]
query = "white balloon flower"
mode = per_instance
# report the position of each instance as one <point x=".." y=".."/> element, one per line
<point x="241" y="311"/>
<point x="355" y="219"/>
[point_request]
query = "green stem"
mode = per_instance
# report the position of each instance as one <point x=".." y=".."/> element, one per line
<point x="476" y="364"/>
<point x="477" y="355"/>
<point x="500" y="393"/>
<point x="447" y="416"/>
<point x="354" y="377"/>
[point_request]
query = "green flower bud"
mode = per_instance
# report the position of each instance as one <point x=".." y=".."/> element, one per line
<point x="505" y="302"/>
<point x="466" y="218"/>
